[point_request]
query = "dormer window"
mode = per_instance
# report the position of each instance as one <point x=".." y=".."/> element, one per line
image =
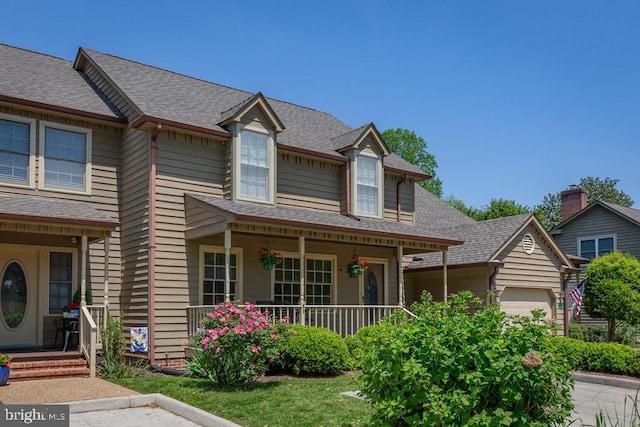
<point x="368" y="189"/>
<point x="256" y="165"/>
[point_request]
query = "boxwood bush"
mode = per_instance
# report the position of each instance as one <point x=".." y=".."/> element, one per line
<point x="452" y="368"/>
<point x="624" y="333"/>
<point x="311" y="350"/>
<point x="608" y="358"/>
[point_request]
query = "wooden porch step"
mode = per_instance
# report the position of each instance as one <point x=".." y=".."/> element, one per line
<point x="39" y="365"/>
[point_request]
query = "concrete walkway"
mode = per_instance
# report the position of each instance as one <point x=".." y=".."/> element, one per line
<point x="614" y="396"/>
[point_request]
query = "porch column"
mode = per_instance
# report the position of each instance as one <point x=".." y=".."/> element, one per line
<point x="227" y="269"/>
<point x="83" y="271"/>
<point x="106" y="272"/>
<point x="303" y="276"/>
<point x="444" y="273"/>
<point x="400" y="256"/>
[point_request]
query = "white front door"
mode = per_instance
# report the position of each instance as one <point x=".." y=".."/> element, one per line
<point x="18" y="296"/>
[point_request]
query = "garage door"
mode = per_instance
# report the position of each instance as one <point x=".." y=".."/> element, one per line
<point x="520" y="301"/>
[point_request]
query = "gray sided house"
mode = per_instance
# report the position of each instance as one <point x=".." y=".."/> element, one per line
<point x="589" y="231"/>
<point x="513" y="257"/>
<point x="156" y="192"/>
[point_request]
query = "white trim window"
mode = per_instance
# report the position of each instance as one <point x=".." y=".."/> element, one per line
<point x="368" y="188"/>
<point x="60" y="280"/>
<point x="319" y="281"/>
<point x="65" y="154"/>
<point x="212" y="274"/>
<point x="256" y="164"/>
<point x="17" y="150"/>
<point x="594" y="247"/>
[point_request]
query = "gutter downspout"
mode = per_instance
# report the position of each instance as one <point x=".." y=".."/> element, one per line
<point x="152" y="242"/>
<point x="398" y="204"/>
<point x="496" y="264"/>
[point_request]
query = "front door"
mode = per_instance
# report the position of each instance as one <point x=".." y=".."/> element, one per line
<point x="373" y="284"/>
<point x="18" y="296"/>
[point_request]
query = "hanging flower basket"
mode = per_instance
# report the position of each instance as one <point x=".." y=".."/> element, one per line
<point x="356" y="266"/>
<point x="269" y="258"/>
<point x="5" y="368"/>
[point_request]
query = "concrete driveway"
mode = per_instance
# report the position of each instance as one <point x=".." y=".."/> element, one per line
<point x="613" y="396"/>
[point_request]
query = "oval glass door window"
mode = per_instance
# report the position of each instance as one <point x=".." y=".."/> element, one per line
<point x="13" y="295"/>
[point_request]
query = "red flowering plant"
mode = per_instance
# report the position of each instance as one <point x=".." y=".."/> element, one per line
<point x="356" y="266"/>
<point x="235" y="344"/>
<point x="72" y="306"/>
<point x="5" y="359"/>
<point x="269" y="258"/>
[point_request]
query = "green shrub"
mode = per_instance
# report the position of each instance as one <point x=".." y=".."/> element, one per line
<point x="313" y="350"/>
<point x="358" y="344"/>
<point x="608" y="358"/>
<point x="452" y="368"/>
<point x="114" y="344"/>
<point x="624" y="333"/>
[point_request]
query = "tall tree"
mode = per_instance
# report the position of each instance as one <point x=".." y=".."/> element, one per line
<point x="548" y="212"/>
<point x="413" y="148"/>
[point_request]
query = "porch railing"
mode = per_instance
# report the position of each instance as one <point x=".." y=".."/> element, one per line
<point x="92" y="320"/>
<point x="343" y="319"/>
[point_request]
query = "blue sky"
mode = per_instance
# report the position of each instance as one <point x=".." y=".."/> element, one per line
<point x="516" y="99"/>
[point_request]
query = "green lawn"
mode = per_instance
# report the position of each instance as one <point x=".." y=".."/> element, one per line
<point x="279" y="402"/>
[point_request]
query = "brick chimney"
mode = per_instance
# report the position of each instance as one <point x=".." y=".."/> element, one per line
<point x="572" y="201"/>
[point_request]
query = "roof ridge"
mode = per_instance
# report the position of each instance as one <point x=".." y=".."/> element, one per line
<point x="37" y="53"/>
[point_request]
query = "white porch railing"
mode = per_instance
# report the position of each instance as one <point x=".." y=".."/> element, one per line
<point x="343" y="319"/>
<point x="92" y="320"/>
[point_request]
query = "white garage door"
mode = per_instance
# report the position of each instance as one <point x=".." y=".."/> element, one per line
<point x="522" y="300"/>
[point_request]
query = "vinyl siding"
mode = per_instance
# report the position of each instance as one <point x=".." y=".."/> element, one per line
<point x="475" y="280"/>
<point x="135" y="228"/>
<point x="105" y="184"/>
<point x="540" y="269"/>
<point x="407" y="202"/>
<point x="184" y="164"/>
<point x="596" y="222"/>
<point x="310" y="183"/>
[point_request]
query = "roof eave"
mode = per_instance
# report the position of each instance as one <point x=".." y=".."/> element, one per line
<point x="107" y="225"/>
<point x="137" y="123"/>
<point x="61" y="109"/>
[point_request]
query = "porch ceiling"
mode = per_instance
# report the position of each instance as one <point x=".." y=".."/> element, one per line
<point x="209" y="215"/>
<point x="41" y="215"/>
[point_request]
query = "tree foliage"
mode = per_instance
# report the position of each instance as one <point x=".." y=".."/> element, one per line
<point x="413" y="148"/>
<point x="612" y="290"/>
<point x="497" y="208"/>
<point x="549" y="212"/>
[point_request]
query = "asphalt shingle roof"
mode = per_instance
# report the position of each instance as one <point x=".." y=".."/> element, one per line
<point x="43" y="208"/>
<point x="314" y="218"/>
<point x="433" y="213"/>
<point x="45" y="79"/>
<point x="482" y="239"/>
<point x="178" y="98"/>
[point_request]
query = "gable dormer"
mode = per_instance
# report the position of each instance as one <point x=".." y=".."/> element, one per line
<point x="253" y="125"/>
<point x="366" y="151"/>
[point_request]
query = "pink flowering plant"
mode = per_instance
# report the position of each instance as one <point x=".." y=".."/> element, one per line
<point x="235" y="344"/>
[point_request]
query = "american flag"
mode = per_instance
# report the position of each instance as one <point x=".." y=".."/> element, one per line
<point x="576" y="296"/>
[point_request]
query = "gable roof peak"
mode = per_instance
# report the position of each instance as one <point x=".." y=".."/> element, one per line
<point x="353" y="138"/>
<point x="235" y="113"/>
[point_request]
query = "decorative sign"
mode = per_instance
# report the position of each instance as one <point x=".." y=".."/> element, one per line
<point x="139" y="339"/>
<point x="560" y="305"/>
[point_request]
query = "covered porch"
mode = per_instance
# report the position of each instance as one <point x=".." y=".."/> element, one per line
<point x="44" y="257"/>
<point x="310" y="285"/>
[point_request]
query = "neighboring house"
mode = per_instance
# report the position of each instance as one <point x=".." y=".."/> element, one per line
<point x="157" y="190"/>
<point x="514" y="257"/>
<point x="589" y="231"/>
